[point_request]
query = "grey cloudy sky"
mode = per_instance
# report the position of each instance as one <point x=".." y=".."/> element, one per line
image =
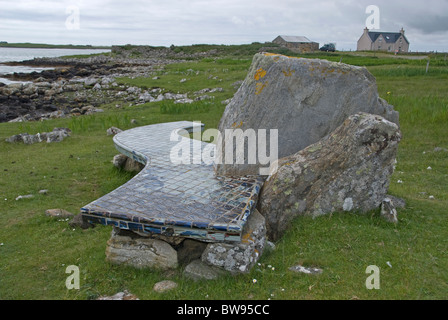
<point x="184" y="22"/>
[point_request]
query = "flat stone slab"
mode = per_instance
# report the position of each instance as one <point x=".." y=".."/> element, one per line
<point x="175" y="199"/>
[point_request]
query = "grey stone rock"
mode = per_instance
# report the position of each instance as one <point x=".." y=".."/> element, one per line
<point x="307" y="270"/>
<point x="388" y="211"/>
<point x="127" y="164"/>
<point x="239" y="257"/>
<point x="183" y="101"/>
<point x="198" y="270"/>
<point x="125" y="295"/>
<point x="90" y="81"/>
<point x="348" y="170"/>
<point x="58" y="213"/>
<point x="27" y="196"/>
<point x="165" y="285"/>
<point x="57" y="135"/>
<point x="113" y="131"/>
<point x="127" y="248"/>
<point x="305" y="99"/>
<point x="146" y="97"/>
<point x="119" y="160"/>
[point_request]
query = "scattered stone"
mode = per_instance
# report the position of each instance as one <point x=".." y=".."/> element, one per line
<point x="28" y="196"/>
<point x="165" y="285"/>
<point x="439" y="149"/>
<point x="305" y="99"/>
<point x="120" y="296"/>
<point x="146" y="97"/>
<point x="204" y="97"/>
<point x="57" y="135"/>
<point x="347" y="170"/>
<point x="388" y="211"/>
<point x="307" y="270"/>
<point x="127" y="248"/>
<point x="113" y="131"/>
<point x="59" y="213"/>
<point x="90" y="81"/>
<point x="198" y="270"/>
<point x="183" y="80"/>
<point x="183" y="101"/>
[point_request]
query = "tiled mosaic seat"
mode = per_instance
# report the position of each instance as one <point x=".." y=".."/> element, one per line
<point x="185" y="200"/>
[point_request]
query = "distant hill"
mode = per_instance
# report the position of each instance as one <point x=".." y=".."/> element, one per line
<point x="49" y="46"/>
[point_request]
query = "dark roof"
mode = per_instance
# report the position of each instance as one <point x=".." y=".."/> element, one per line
<point x="389" y="37"/>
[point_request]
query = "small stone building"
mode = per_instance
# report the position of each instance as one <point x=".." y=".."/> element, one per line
<point x="383" y="41"/>
<point x="298" y="44"/>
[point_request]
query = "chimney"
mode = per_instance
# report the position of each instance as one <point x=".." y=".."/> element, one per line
<point x="402" y="31"/>
<point x="366" y="30"/>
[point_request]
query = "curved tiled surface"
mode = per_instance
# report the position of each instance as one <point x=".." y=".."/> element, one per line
<point x="185" y="200"/>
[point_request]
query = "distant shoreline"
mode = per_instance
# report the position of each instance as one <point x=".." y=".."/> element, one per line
<point x="50" y="46"/>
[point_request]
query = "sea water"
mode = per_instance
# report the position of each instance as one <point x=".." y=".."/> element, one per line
<point x="22" y="54"/>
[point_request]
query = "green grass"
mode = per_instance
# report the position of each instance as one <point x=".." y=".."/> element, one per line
<point x="412" y="255"/>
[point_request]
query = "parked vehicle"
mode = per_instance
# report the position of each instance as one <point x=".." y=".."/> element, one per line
<point x="328" y="47"/>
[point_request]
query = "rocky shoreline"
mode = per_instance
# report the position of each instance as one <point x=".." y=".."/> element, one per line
<point x="78" y="86"/>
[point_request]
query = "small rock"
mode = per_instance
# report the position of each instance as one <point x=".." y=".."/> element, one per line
<point x="28" y="196"/>
<point x="60" y="213"/>
<point x="388" y="210"/>
<point x="183" y="101"/>
<point x="183" y="80"/>
<point x="43" y="191"/>
<point x="164" y="286"/>
<point x="120" y="296"/>
<point x="439" y="149"/>
<point x="308" y="270"/>
<point x="113" y="131"/>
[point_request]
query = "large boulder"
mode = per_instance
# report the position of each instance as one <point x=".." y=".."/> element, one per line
<point x="305" y="99"/>
<point x="347" y="170"/>
<point x="127" y="248"/>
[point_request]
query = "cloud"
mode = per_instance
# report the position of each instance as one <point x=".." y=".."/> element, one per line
<point x="179" y="22"/>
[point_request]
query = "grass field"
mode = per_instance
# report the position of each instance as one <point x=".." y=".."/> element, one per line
<point x="412" y="255"/>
